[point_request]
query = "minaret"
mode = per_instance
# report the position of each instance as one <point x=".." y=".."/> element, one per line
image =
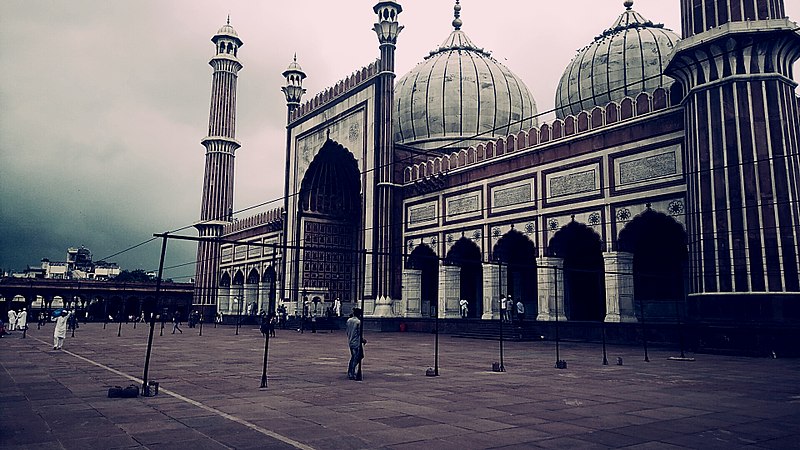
<point x="386" y="240"/>
<point x="293" y="91"/>
<point x="220" y="144"/>
<point x="741" y="146"/>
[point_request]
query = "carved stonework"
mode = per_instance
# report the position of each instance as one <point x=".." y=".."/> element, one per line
<point x="574" y="183"/>
<point x="423" y="213"/>
<point x="463" y="205"/>
<point x="675" y="207"/>
<point x="509" y="196"/>
<point x="647" y="168"/>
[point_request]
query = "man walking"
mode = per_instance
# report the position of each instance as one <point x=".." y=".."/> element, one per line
<point x="176" y="322"/>
<point x="355" y="341"/>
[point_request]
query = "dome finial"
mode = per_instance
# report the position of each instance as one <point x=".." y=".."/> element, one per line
<point x="628" y="4"/>
<point x="295" y="56"/>
<point x="229" y="18"/>
<point x="457" y="13"/>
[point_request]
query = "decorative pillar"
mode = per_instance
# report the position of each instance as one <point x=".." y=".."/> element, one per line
<point x="412" y="293"/>
<point x="619" y="287"/>
<point x="387" y="237"/>
<point x="742" y="142"/>
<point x="449" y="291"/>
<point x="550" y="273"/>
<point x="492" y="290"/>
<point x="220" y="144"/>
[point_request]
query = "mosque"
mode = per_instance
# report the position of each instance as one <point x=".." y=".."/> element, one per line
<point x="666" y="188"/>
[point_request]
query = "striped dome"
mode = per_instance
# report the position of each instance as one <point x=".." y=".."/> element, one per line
<point x="625" y="60"/>
<point x="459" y="95"/>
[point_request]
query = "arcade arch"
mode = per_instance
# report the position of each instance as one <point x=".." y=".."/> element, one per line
<point x="518" y="274"/>
<point x="659" y="247"/>
<point x="584" y="290"/>
<point x="425" y="260"/>
<point x="466" y="255"/>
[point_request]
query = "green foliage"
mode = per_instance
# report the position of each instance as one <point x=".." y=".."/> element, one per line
<point x="134" y="276"/>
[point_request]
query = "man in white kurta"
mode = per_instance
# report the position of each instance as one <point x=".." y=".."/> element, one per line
<point x="12" y="320"/>
<point x="60" y="332"/>
<point x="22" y="319"/>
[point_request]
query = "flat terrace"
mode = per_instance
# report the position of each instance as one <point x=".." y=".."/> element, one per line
<point x="210" y="398"/>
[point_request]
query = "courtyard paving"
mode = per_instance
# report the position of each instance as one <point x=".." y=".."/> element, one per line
<point x="210" y="397"/>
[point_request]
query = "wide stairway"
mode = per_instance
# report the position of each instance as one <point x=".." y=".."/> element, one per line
<point x="490" y="329"/>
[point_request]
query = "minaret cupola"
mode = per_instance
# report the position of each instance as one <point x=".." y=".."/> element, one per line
<point x="293" y="90"/>
<point x="388" y="28"/>
<point x="227" y="40"/>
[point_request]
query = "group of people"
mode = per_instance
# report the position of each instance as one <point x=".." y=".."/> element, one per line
<point x="17" y="320"/>
<point x="510" y="311"/>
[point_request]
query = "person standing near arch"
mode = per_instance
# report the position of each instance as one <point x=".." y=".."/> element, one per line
<point x="337" y="307"/>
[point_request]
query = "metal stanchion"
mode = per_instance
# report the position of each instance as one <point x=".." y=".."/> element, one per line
<point x="266" y="357"/>
<point x="644" y="331"/>
<point x="145" y="386"/>
<point x="502" y="367"/>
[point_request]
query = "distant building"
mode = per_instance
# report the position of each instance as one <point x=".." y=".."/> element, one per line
<point x="78" y="266"/>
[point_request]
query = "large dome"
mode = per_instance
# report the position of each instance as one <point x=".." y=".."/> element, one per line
<point x="459" y="95"/>
<point x="625" y="60"/>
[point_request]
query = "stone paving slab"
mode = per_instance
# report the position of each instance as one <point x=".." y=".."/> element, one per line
<point x="210" y="398"/>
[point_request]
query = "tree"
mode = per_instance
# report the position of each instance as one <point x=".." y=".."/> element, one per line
<point x="134" y="276"/>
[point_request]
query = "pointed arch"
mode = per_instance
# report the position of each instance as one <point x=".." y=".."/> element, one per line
<point x="424" y="259"/>
<point x="467" y="255"/>
<point x="330" y="215"/>
<point x="518" y="276"/>
<point x="660" y="253"/>
<point x="584" y="290"/>
<point x="268" y="298"/>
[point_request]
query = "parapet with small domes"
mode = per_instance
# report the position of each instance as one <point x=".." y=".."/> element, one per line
<point x="598" y="117"/>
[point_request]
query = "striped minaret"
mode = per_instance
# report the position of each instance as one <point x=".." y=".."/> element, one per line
<point x="220" y="147"/>
<point x="387" y="224"/>
<point x="742" y="133"/>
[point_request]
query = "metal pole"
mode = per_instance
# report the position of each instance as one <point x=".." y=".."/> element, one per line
<point x="502" y="312"/>
<point x="436" y="340"/>
<point x="603" y="330"/>
<point x="644" y="331"/>
<point x="239" y="315"/>
<point x="359" y="376"/>
<point x="119" y="331"/>
<point x="558" y="357"/>
<point x="605" y="356"/>
<point x="153" y="316"/>
<point x="266" y="357"/>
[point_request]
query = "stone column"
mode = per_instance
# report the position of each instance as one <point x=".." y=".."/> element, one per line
<point x="492" y="290"/>
<point x="449" y="291"/>
<point x="619" y="287"/>
<point x="263" y="298"/>
<point x="551" y="289"/>
<point x="412" y="293"/>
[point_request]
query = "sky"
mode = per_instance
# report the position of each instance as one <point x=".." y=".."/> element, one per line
<point x="103" y="103"/>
